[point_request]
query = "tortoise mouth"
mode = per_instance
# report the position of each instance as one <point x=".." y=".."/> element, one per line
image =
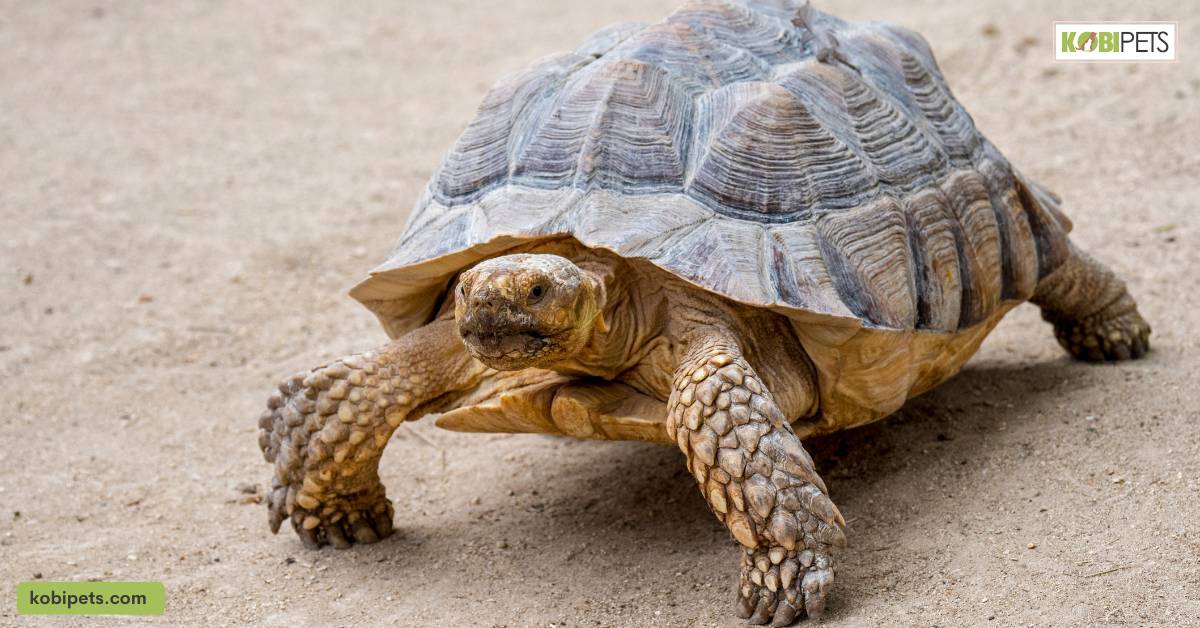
<point x="497" y="345"/>
<point x="508" y="348"/>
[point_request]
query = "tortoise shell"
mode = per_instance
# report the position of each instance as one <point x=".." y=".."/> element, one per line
<point x="770" y="153"/>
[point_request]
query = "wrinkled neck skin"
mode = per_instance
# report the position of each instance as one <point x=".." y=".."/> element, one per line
<point x="654" y="318"/>
<point x="632" y="321"/>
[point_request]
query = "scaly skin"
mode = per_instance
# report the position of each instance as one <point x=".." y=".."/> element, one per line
<point x="758" y="480"/>
<point x="326" y="430"/>
<point x="1094" y="317"/>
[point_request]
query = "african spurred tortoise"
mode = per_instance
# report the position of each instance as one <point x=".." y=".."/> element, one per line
<point x="744" y="225"/>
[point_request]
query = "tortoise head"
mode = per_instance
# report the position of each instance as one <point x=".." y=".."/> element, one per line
<point x="525" y="310"/>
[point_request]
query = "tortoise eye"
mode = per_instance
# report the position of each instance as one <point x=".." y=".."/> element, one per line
<point x="536" y="293"/>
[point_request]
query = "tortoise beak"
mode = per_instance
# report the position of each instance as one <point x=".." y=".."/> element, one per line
<point x="497" y="345"/>
<point x="491" y="336"/>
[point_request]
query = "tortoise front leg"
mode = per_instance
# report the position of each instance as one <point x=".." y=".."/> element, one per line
<point x="758" y="480"/>
<point x="326" y="430"/>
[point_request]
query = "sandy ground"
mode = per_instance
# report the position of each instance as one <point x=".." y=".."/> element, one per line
<point x="187" y="190"/>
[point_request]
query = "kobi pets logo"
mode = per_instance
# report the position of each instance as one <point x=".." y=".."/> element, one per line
<point x="1114" y="41"/>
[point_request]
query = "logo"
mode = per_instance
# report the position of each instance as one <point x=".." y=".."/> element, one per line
<point x="1114" y="41"/>
<point x="91" y="598"/>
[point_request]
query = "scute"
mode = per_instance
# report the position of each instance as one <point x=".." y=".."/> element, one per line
<point x="860" y="249"/>
<point x="851" y="188"/>
<point x="480" y="157"/>
<point x="770" y="159"/>
<point x="902" y="155"/>
<point x="954" y="127"/>
<point x="765" y="33"/>
<point x="620" y="125"/>
<point x="691" y="57"/>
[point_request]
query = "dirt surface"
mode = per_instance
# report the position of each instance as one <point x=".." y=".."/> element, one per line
<point x="187" y="190"/>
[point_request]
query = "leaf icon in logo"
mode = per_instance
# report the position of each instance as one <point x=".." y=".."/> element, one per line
<point x="1085" y="39"/>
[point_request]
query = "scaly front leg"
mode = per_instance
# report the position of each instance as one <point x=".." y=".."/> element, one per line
<point x="326" y="430"/>
<point x="758" y="480"/>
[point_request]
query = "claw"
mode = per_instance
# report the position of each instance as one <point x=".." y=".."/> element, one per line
<point x="275" y="509"/>
<point x="363" y="532"/>
<point x="745" y="608"/>
<point x="383" y="523"/>
<point x="814" y="586"/>
<point x="762" y="613"/>
<point x="785" y="614"/>
<point x="337" y="537"/>
<point x="308" y="537"/>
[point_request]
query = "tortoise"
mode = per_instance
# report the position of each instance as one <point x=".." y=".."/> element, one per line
<point x="745" y="225"/>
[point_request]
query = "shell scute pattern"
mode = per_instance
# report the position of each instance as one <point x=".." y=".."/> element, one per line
<point x="618" y="126"/>
<point x="879" y="198"/>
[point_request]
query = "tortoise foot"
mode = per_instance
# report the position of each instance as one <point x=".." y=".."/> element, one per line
<point x="781" y="591"/>
<point x="341" y="521"/>
<point x="1122" y="337"/>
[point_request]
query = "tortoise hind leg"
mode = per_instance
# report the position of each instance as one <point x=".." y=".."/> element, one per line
<point x="1094" y="316"/>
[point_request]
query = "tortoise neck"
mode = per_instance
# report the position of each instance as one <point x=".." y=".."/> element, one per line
<point x="625" y="324"/>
